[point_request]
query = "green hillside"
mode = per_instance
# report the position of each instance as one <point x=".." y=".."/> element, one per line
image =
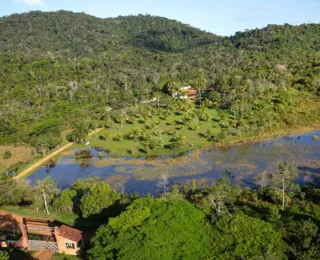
<point x="78" y="34"/>
<point x="58" y="68"/>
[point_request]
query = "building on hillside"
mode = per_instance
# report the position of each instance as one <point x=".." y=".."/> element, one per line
<point x="43" y="235"/>
<point x="185" y="93"/>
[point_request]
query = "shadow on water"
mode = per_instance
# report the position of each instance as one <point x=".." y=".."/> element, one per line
<point x="309" y="169"/>
<point x="141" y="174"/>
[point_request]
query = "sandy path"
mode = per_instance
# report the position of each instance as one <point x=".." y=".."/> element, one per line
<point x="43" y="160"/>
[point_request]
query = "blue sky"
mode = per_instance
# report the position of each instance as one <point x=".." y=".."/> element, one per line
<point x="222" y="17"/>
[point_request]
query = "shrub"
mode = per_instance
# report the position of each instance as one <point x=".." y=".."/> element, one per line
<point x="7" y="155"/>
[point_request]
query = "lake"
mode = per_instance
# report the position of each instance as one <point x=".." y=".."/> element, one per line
<point x="241" y="162"/>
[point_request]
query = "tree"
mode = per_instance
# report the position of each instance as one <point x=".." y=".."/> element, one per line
<point x="99" y="197"/>
<point x="153" y="229"/>
<point x="45" y="192"/>
<point x="80" y="132"/>
<point x="174" y="193"/>
<point x="193" y="185"/>
<point x="200" y="82"/>
<point x="162" y="183"/>
<point x="303" y="239"/>
<point x="4" y="255"/>
<point x="283" y="182"/>
<point x="64" y="202"/>
<point x="172" y="87"/>
<point x="222" y="197"/>
<point x="14" y="192"/>
<point x="82" y="186"/>
<point x="244" y="237"/>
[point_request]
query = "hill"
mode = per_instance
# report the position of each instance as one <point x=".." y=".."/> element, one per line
<point x="78" y="34"/>
<point x="61" y="67"/>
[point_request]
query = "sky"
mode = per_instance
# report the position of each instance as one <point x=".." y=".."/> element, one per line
<point x="222" y="17"/>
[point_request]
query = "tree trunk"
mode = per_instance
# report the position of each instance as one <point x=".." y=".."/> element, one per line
<point x="45" y="203"/>
<point x="283" y="195"/>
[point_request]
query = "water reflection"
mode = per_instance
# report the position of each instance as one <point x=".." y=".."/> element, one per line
<point x="244" y="161"/>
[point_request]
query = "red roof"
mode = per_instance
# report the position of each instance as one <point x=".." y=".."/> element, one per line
<point x="70" y="233"/>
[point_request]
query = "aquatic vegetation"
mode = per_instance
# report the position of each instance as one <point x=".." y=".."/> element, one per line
<point x="245" y="162"/>
<point x="83" y="154"/>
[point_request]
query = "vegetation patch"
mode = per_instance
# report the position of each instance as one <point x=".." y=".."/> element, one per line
<point x="12" y="156"/>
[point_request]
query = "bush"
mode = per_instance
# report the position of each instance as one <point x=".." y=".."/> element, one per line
<point x="4" y="255"/>
<point x="7" y="155"/>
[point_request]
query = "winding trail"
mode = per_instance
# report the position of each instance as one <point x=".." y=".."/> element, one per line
<point x="43" y="160"/>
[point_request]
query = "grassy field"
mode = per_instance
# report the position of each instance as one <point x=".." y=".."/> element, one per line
<point x="172" y="123"/>
<point x="20" y="154"/>
<point x="198" y="127"/>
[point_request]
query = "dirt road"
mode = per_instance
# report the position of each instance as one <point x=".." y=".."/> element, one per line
<point x="43" y="160"/>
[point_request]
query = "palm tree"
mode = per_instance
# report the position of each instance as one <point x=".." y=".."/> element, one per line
<point x="224" y="120"/>
<point x="201" y="82"/>
<point x="173" y="88"/>
<point x="80" y="132"/>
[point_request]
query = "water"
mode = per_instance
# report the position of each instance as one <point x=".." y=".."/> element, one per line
<point x="244" y="163"/>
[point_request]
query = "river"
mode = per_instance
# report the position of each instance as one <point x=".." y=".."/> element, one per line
<point x="242" y="163"/>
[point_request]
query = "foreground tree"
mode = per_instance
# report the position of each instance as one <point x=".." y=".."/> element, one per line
<point x="99" y="197"/>
<point x="64" y="203"/>
<point x="283" y="181"/>
<point x="222" y="197"/>
<point x="244" y="237"/>
<point x="14" y="192"/>
<point x="304" y="240"/>
<point x="45" y="192"/>
<point x="153" y="229"/>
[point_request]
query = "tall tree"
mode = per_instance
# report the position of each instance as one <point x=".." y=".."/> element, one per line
<point x="283" y="182"/>
<point x="80" y="132"/>
<point x="99" y="197"/>
<point x="45" y="192"/>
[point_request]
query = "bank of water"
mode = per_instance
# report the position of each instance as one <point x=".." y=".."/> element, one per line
<point x="241" y="162"/>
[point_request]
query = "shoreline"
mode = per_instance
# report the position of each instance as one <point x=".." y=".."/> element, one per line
<point x="32" y="168"/>
<point x="271" y="135"/>
<point x="244" y="140"/>
<point x="236" y="141"/>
